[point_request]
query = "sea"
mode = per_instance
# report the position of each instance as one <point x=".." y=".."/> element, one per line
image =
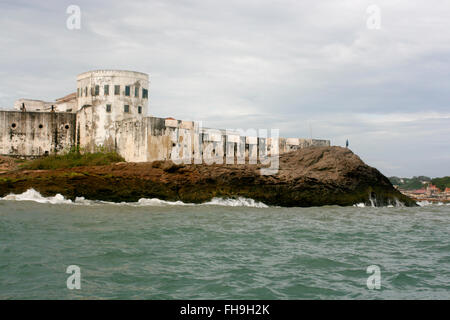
<point x="55" y="248"/>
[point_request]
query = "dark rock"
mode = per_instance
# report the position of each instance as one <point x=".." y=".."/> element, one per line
<point x="307" y="177"/>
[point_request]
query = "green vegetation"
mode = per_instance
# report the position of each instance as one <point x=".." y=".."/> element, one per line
<point x="441" y="183"/>
<point x="420" y="182"/>
<point x="410" y="183"/>
<point x="72" y="159"/>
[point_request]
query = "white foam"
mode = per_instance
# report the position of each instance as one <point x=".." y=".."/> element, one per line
<point x="158" y="202"/>
<point x="33" y="195"/>
<point x="424" y="203"/>
<point x="395" y="204"/>
<point x="239" y="202"/>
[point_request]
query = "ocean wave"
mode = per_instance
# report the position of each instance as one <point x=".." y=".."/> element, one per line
<point x="360" y="205"/>
<point x="239" y="202"/>
<point x="33" y="195"/>
<point x="426" y="203"/>
<point x="373" y="204"/>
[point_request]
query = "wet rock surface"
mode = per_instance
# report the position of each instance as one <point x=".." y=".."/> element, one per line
<point x="313" y="176"/>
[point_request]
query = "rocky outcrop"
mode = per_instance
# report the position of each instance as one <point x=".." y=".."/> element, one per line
<point x="314" y="176"/>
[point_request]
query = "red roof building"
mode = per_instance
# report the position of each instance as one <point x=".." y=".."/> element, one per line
<point x="418" y="191"/>
<point x="432" y="189"/>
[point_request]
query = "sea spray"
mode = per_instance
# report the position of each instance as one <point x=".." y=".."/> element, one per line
<point x="33" y="195"/>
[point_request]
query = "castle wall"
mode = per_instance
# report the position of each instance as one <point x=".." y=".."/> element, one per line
<point x="32" y="134"/>
<point x="184" y="141"/>
<point x="108" y="113"/>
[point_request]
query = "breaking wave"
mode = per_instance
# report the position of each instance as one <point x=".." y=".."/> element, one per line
<point x="33" y="195"/>
<point x="374" y="203"/>
<point x="239" y="202"/>
<point x="425" y="203"/>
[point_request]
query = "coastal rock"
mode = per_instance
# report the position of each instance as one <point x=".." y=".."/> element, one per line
<point x="313" y="176"/>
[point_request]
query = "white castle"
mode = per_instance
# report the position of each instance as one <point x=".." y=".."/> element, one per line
<point x="108" y="112"/>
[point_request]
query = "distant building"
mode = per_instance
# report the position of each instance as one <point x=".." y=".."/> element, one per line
<point x="432" y="189"/>
<point x="418" y="191"/>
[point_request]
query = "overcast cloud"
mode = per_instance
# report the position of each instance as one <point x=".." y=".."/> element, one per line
<point x="301" y="66"/>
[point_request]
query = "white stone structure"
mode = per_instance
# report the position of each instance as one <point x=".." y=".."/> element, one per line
<point x="108" y="111"/>
<point x="104" y="98"/>
<point x="64" y="104"/>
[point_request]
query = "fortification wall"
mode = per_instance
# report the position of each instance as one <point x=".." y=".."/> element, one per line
<point x="137" y="140"/>
<point x="31" y="134"/>
<point x="167" y="139"/>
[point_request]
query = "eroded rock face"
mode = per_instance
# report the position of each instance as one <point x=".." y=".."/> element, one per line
<point x="307" y="177"/>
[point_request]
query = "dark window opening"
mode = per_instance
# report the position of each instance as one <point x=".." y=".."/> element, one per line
<point x="126" y="108"/>
<point x="106" y="90"/>
<point x="13" y="125"/>
<point x="97" y="90"/>
<point x="144" y="93"/>
<point x="108" y="108"/>
<point x="139" y="109"/>
<point x="116" y="90"/>
<point x="66" y="126"/>
<point x="85" y="91"/>
<point x="127" y="91"/>
<point x="41" y="126"/>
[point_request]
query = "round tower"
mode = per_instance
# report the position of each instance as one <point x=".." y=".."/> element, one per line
<point x="104" y="99"/>
<point x="119" y="94"/>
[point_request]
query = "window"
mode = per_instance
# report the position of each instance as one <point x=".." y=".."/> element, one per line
<point x="108" y="108"/>
<point x="127" y="91"/>
<point x="136" y="92"/>
<point x="97" y="90"/>
<point x="106" y="90"/>
<point x="126" y="108"/>
<point x="144" y="93"/>
<point x="85" y="91"/>
<point x="78" y="92"/>
<point x="116" y="90"/>
<point x="92" y="91"/>
<point x="139" y="109"/>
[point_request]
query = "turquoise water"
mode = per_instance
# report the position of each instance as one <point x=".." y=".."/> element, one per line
<point x="159" y="251"/>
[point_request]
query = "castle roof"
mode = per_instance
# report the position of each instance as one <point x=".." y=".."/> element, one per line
<point x="68" y="97"/>
<point x="111" y="72"/>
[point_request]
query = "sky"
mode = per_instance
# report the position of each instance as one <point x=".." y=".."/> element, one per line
<point x="373" y="72"/>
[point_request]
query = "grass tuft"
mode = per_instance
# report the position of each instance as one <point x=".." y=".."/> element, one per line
<point x="72" y="159"/>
